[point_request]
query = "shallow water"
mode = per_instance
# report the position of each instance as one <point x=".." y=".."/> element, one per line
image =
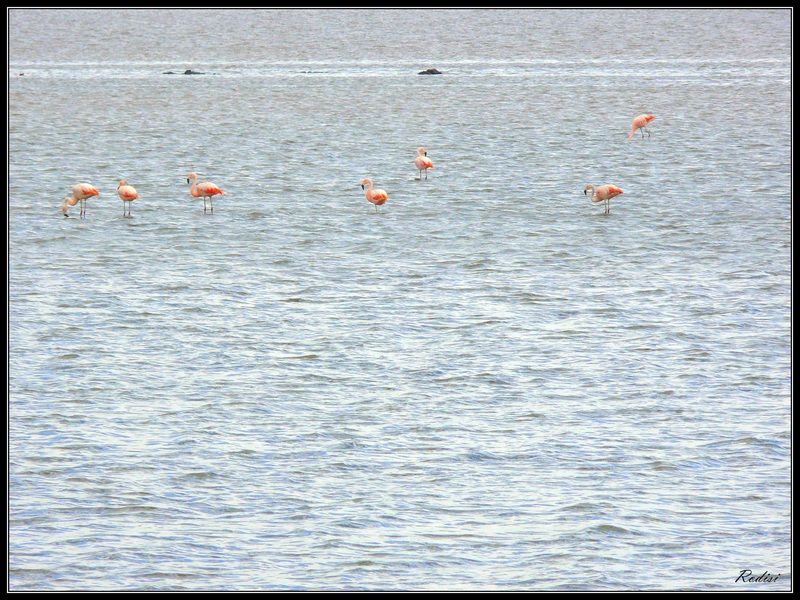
<point x="488" y="384"/>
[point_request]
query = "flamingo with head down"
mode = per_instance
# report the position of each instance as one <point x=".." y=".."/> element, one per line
<point x="641" y="122"/>
<point x="80" y="192"/>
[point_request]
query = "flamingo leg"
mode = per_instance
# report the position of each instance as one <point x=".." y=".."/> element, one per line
<point x="211" y="200"/>
<point x="83" y="209"/>
<point x="426" y="174"/>
<point x="204" y="205"/>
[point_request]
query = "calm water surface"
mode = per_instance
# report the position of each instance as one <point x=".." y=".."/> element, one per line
<point x="488" y="384"/>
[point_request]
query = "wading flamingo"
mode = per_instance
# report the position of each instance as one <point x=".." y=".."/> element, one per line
<point x="377" y="197"/>
<point x="80" y="192"/>
<point x="641" y="122"/>
<point x="206" y="189"/>
<point x="422" y="161"/>
<point x="127" y="193"/>
<point x="603" y="193"/>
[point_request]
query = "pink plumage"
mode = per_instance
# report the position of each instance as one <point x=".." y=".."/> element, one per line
<point x="422" y="162"/>
<point x="205" y="190"/>
<point x="640" y="122"/>
<point x="127" y="193"/>
<point x="80" y="192"/>
<point x="378" y="197"/>
<point x="603" y="193"/>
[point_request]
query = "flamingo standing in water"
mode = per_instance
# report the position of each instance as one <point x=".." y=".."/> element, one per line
<point x="206" y="189"/>
<point x="641" y="122"/>
<point x="422" y="161"/>
<point x="377" y="197"/>
<point x="80" y="192"/>
<point x="603" y="193"/>
<point x="127" y="193"/>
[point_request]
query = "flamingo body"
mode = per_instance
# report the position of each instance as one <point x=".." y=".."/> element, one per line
<point x="205" y="190"/>
<point x="422" y="162"/>
<point x="378" y="197"/>
<point x="127" y="193"/>
<point x="640" y="122"/>
<point x="603" y="193"/>
<point x="80" y="192"/>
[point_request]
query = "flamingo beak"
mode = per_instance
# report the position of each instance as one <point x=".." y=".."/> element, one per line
<point x="187" y="181"/>
<point x="426" y="154"/>
<point x="362" y="186"/>
<point x="584" y="192"/>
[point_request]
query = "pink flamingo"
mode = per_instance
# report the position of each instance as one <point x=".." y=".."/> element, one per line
<point x="377" y="197"/>
<point x="206" y="189"/>
<point x="603" y="193"/>
<point x="641" y="122"/>
<point x="127" y="193"/>
<point x="80" y="192"/>
<point x="422" y="161"/>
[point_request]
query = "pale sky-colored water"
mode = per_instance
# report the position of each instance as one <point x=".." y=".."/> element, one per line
<point x="485" y="382"/>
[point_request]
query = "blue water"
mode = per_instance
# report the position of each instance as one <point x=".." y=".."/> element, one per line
<point x="487" y="384"/>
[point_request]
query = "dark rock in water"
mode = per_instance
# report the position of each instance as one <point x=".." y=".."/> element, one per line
<point x="430" y="72"/>
<point x="190" y="72"/>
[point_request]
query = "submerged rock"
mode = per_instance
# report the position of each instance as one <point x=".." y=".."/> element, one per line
<point x="430" y="72"/>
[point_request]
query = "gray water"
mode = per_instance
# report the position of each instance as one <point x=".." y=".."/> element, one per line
<point x="488" y="384"/>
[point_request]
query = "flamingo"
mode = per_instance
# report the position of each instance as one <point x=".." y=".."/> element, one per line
<point x="206" y="189"/>
<point x="127" y="193"/>
<point x="641" y="122"/>
<point x="603" y="193"/>
<point x="80" y="192"/>
<point x="422" y="161"/>
<point x="377" y="197"/>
